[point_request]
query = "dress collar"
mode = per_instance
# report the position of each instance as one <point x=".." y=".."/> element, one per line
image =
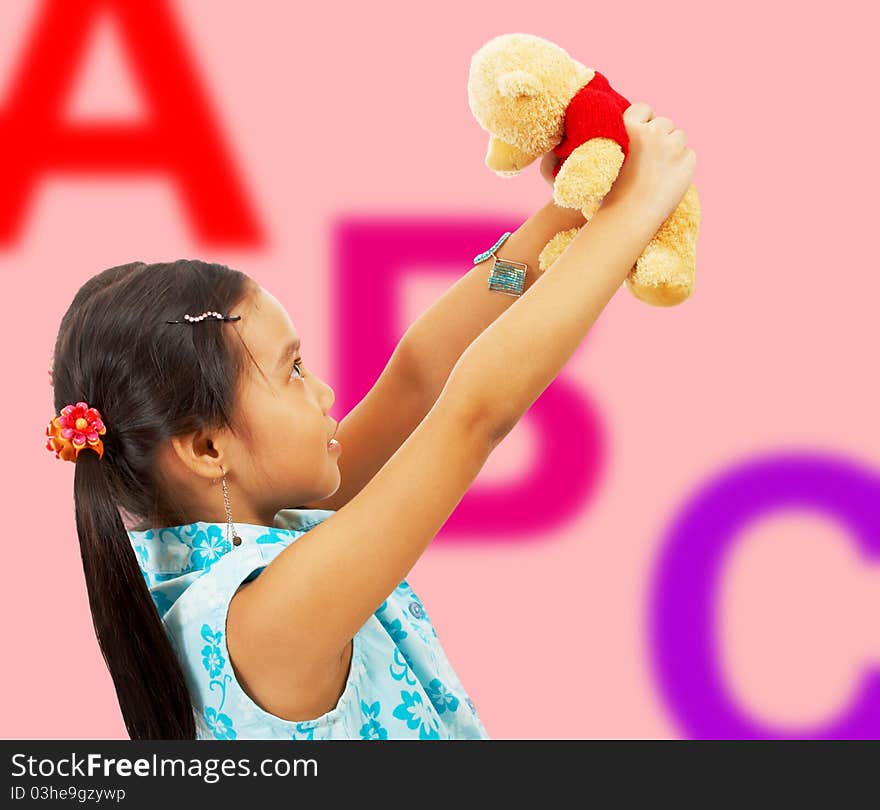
<point x="175" y="550"/>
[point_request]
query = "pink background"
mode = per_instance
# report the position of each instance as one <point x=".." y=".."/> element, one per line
<point x="363" y="108"/>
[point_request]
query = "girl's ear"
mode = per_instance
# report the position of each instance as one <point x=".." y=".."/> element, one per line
<point x="197" y="453"/>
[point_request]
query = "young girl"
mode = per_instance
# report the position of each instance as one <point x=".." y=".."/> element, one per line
<point x="181" y="395"/>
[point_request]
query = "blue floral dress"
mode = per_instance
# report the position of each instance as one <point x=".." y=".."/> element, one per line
<point x="400" y="684"/>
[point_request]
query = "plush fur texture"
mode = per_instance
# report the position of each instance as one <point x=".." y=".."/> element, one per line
<point x="531" y="97"/>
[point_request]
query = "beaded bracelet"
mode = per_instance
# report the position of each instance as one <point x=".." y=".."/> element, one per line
<point x="505" y="276"/>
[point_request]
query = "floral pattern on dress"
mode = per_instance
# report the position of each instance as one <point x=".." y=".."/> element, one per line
<point x="306" y="729"/>
<point x="441" y="697"/>
<point x="417" y="715"/>
<point x="402" y="685"/>
<point x="212" y="659"/>
<point x="372" y="729"/>
<point x="208" y="547"/>
<point x="400" y="669"/>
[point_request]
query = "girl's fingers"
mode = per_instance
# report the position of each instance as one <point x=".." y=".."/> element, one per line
<point x="679" y="135"/>
<point x="638" y="111"/>
<point x="663" y="124"/>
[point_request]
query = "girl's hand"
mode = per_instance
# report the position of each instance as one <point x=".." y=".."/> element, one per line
<point x="659" y="167"/>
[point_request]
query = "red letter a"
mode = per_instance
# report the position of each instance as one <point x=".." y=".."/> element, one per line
<point x="182" y="139"/>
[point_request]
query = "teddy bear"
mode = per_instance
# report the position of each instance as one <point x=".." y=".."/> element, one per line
<point x="532" y="97"/>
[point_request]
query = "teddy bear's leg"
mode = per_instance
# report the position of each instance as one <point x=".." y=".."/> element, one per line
<point x="664" y="273"/>
<point x="553" y="249"/>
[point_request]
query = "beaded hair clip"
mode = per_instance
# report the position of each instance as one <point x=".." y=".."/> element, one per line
<point x="212" y="314"/>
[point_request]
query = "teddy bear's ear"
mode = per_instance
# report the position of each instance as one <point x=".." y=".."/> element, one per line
<point x="518" y="83"/>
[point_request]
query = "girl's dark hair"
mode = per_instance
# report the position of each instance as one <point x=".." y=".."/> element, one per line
<point x="150" y="381"/>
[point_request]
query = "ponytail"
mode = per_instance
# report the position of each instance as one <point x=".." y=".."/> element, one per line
<point x="150" y="382"/>
<point x="149" y="681"/>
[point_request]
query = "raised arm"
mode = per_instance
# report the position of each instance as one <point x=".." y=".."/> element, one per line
<point x="294" y="623"/>
<point x="547" y="324"/>
<point x="436" y="340"/>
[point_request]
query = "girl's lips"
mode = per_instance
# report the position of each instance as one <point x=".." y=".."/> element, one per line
<point x="334" y="446"/>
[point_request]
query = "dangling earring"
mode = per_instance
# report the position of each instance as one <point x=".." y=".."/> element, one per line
<point x="230" y="529"/>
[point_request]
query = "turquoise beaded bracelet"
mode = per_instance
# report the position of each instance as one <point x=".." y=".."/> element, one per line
<point x="505" y="276"/>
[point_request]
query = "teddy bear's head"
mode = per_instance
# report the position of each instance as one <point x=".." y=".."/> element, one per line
<point x="519" y="87"/>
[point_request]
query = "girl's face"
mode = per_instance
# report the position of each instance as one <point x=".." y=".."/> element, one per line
<point x="286" y="462"/>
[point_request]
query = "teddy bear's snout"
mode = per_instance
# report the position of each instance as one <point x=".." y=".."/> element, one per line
<point x="505" y="159"/>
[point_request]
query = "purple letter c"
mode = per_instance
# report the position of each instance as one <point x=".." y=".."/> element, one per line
<point x="684" y="647"/>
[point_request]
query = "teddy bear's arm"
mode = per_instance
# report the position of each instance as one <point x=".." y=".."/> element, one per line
<point x="593" y="114"/>
<point x="587" y="175"/>
<point x="592" y="151"/>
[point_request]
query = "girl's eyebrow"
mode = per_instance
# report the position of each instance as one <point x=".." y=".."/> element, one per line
<point x="287" y="353"/>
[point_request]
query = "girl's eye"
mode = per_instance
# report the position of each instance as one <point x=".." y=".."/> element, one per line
<point x="297" y="362"/>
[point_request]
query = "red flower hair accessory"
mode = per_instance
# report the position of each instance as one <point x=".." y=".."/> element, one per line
<point x="75" y="428"/>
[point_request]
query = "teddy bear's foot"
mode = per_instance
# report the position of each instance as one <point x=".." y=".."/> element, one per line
<point x="661" y="277"/>
<point x="553" y="249"/>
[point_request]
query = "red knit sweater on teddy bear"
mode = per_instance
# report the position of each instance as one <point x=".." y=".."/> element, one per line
<point x="595" y="111"/>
